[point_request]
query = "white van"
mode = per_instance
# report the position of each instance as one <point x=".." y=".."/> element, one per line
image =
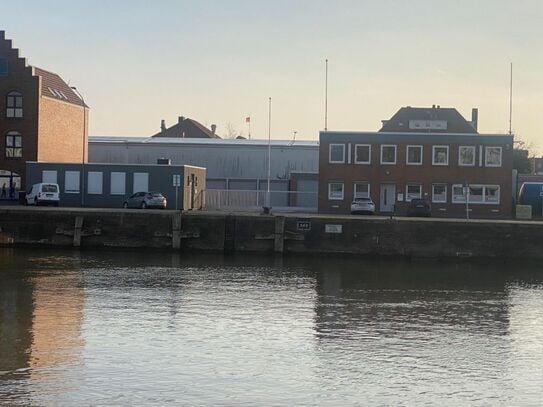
<point x="44" y="193"/>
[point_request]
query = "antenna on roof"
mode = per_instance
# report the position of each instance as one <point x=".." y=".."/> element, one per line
<point x="511" y="99"/>
<point x="326" y="97"/>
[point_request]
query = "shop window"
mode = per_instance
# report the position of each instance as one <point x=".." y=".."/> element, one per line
<point x="476" y="194"/>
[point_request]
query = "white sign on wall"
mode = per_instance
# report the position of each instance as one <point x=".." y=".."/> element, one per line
<point x="333" y="228"/>
<point x="176" y="180"/>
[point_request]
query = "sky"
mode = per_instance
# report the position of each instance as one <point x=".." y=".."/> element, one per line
<point x="219" y="61"/>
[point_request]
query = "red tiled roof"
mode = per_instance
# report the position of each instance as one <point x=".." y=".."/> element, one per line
<point x="53" y="86"/>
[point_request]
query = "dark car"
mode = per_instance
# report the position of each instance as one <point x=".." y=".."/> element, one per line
<point x="419" y="207"/>
<point x="145" y="200"/>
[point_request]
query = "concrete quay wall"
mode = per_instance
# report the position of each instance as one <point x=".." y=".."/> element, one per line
<point x="294" y="233"/>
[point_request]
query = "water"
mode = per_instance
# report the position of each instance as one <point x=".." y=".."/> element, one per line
<point x="161" y="329"/>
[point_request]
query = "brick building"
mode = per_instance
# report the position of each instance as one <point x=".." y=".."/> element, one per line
<point x="41" y="119"/>
<point x="431" y="153"/>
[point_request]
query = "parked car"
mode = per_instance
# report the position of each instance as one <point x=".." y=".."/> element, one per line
<point x="44" y="193"/>
<point x="145" y="200"/>
<point x="419" y="207"/>
<point x="531" y="193"/>
<point x="362" y="206"/>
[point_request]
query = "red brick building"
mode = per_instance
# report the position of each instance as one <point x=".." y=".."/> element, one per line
<point x="41" y="119"/>
<point x="431" y="153"/>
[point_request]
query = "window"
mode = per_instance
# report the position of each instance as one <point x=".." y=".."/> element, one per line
<point x="388" y="154"/>
<point x="439" y="193"/>
<point x="14" y="105"/>
<point x="478" y="194"/>
<point x="413" y="191"/>
<point x="335" y="191"/>
<point x="493" y="156"/>
<point x="440" y="155"/>
<point x="14" y="145"/>
<point x="466" y="156"/>
<point x="362" y="154"/>
<point x="337" y="153"/>
<point x="95" y="180"/>
<point x="118" y="183"/>
<point x="3" y="66"/>
<point x="49" y="176"/>
<point x="361" y="190"/>
<point x="414" y="155"/>
<point x="71" y="182"/>
<point x="141" y="182"/>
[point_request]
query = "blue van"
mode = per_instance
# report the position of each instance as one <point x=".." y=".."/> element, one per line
<point x="531" y="193"/>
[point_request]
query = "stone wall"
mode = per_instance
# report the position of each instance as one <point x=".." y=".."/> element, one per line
<point x="311" y="234"/>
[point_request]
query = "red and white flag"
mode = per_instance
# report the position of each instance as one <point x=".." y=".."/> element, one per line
<point x="247" y="120"/>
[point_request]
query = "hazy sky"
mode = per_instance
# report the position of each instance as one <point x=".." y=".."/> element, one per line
<point x="138" y="62"/>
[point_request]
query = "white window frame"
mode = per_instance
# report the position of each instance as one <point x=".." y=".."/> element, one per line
<point x="407" y="154"/>
<point x="486" y="156"/>
<point x="330" y="161"/>
<point x="95" y="183"/>
<point x="330" y="197"/>
<point x="412" y="184"/>
<point x="434" y="155"/>
<point x="49" y="176"/>
<point x="484" y="199"/>
<point x="117" y="179"/>
<point x="434" y="199"/>
<point x="460" y="164"/>
<point x="395" y="154"/>
<point x="369" y="153"/>
<point x="72" y="178"/>
<point x="361" y="183"/>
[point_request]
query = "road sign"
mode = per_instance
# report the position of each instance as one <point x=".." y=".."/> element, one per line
<point x="176" y="180"/>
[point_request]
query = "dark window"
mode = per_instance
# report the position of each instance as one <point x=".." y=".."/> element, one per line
<point x="3" y="66"/>
<point x="14" y="104"/>
<point x="14" y="145"/>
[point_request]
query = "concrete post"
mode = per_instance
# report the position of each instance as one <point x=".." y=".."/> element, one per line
<point x="176" y="231"/>
<point x="279" y="241"/>
<point x="77" y="230"/>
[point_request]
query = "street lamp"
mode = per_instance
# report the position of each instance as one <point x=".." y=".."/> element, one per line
<point x="82" y="187"/>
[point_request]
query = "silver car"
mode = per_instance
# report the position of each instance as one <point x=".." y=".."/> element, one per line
<point x="146" y="200"/>
<point x="362" y="206"/>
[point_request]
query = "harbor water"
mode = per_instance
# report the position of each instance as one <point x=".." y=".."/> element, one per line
<point x="136" y="328"/>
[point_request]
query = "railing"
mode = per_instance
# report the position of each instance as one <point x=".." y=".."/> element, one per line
<point x="224" y="199"/>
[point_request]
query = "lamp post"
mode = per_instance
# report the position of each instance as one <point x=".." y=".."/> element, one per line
<point x="82" y="187"/>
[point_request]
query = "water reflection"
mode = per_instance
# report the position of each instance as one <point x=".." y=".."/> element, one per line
<point x="134" y="328"/>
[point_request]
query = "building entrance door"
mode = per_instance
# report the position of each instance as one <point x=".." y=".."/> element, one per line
<point x="388" y="198"/>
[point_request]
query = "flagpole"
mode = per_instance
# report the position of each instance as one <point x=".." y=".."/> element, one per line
<point x="269" y="153"/>
<point x="511" y="99"/>
<point x="326" y="98"/>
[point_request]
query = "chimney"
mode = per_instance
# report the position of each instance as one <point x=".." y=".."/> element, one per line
<point x="162" y="125"/>
<point x="474" y="118"/>
<point x="433" y="106"/>
<point x="180" y="119"/>
<point x="213" y="128"/>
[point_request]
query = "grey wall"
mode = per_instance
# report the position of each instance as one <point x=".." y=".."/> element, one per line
<point x="160" y="180"/>
<point x="221" y="159"/>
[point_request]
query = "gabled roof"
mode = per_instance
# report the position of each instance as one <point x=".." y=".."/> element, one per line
<point x="53" y="86"/>
<point x="400" y="122"/>
<point x="186" y="128"/>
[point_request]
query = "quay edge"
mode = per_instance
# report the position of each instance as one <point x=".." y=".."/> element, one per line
<point x="283" y="233"/>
